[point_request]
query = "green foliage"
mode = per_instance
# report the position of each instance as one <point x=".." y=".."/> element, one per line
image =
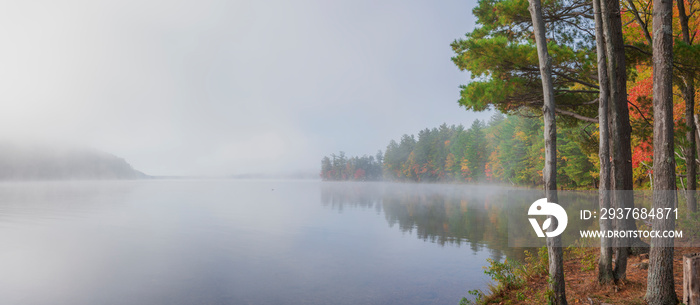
<point x="536" y="264"/>
<point x="502" y="58"/>
<point x="588" y="262"/>
<point x="478" y="298"/>
<point x="506" y="274"/>
<point x="574" y="164"/>
<point x="339" y="167"/>
<point x="549" y="295"/>
<point x="507" y="149"/>
<point x="688" y="55"/>
<point x="511" y="275"/>
<point x="476" y="153"/>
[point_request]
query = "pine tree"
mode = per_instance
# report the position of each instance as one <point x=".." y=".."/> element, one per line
<point x="660" y="285"/>
<point x="556" y="261"/>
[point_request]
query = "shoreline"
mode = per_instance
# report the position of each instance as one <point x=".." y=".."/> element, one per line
<point x="581" y="276"/>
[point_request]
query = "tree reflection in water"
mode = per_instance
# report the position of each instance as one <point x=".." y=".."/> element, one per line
<point x="441" y="214"/>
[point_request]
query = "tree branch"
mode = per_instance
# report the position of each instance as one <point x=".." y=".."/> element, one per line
<point x="576" y="91"/>
<point x="638" y="49"/>
<point x="643" y="25"/>
<point x="575" y="80"/>
<point x="576" y="115"/>
<point x="579" y="104"/>
<point x="676" y="64"/>
<point x="640" y="113"/>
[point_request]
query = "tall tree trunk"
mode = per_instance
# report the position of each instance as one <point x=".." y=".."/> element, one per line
<point x="621" y="131"/>
<point x="690" y="151"/>
<point x="660" y="285"/>
<point x="556" y="261"/>
<point x="688" y="91"/>
<point x="697" y="132"/>
<point x="605" y="268"/>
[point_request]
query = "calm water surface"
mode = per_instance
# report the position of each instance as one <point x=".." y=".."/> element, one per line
<point x="245" y="242"/>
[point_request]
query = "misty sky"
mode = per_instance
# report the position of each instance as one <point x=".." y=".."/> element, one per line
<point x="229" y="87"/>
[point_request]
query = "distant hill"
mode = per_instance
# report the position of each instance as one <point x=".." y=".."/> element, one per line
<point x="44" y="162"/>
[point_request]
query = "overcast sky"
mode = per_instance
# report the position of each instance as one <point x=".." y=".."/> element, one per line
<point x="229" y="87"/>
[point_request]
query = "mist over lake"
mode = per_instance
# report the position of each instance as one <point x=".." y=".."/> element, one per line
<point x="245" y="242"/>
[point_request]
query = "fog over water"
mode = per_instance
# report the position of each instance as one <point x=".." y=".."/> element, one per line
<point x="119" y="90"/>
<point x="229" y="87"/>
<point x="245" y="242"/>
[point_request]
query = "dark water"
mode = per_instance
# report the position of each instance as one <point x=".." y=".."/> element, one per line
<point x="245" y="242"/>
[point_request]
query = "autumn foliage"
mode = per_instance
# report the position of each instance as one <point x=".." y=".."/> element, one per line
<point x="506" y="150"/>
<point x="500" y="56"/>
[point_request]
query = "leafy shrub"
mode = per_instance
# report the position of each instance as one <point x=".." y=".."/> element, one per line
<point x="505" y="273"/>
<point x="510" y="275"/>
<point x="536" y="264"/>
<point x="478" y="298"/>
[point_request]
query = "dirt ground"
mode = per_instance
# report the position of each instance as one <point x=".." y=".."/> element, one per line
<point x="580" y="271"/>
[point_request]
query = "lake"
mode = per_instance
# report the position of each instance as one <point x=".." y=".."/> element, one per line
<point x="245" y="242"/>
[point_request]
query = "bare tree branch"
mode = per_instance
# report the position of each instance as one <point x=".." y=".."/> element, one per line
<point x="576" y="115"/>
<point x="585" y="83"/>
<point x="640" y="113"/>
<point x="642" y="24"/>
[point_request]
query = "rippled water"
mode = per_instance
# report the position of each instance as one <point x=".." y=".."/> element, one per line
<point x="244" y="242"/>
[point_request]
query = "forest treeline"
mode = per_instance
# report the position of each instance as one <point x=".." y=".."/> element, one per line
<point x="340" y="167"/>
<point x="505" y="149"/>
